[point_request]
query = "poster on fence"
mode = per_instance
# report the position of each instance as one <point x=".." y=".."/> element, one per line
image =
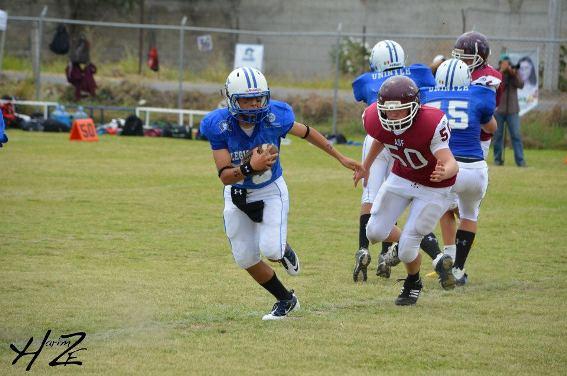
<point x="205" y="43"/>
<point x="3" y="20"/>
<point x="249" y="55"/>
<point x="527" y="63"/>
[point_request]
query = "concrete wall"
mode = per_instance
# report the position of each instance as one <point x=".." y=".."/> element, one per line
<point x="433" y="17"/>
<point x="295" y="57"/>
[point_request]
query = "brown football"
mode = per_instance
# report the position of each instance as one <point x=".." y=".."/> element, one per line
<point x="273" y="149"/>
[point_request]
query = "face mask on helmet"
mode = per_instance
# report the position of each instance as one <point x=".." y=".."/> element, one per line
<point x="385" y="55"/>
<point x="398" y="93"/>
<point x="453" y="73"/>
<point x="243" y="83"/>
<point x="473" y="48"/>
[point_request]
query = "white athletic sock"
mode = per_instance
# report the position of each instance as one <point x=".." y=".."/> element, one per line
<point x="436" y="260"/>
<point x="451" y="250"/>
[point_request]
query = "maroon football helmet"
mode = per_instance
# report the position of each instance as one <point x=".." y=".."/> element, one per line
<point x="398" y="93"/>
<point x="473" y="47"/>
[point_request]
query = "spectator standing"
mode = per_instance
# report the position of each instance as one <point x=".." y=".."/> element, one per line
<point x="507" y="114"/>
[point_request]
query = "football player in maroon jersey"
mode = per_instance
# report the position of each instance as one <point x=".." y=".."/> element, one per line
<point x="472" y="47"/>
<point x="424" y="171"/>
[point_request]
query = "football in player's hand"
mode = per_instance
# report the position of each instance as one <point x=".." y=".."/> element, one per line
<point x="267" y="149"/>
<point x="272" y="149"/>
<point x="260" y="149"/>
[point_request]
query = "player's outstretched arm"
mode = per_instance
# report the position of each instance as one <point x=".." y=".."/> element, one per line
<point x="316" y="138"/>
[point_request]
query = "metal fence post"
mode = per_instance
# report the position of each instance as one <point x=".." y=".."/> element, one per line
<point x="551" y="68"/>
<point x="337" y="72"/>
<point x="141" y="39"/>
<point x="3" y="42"/>
<point x="181" y="33"/>
<point x="37" y="57"/>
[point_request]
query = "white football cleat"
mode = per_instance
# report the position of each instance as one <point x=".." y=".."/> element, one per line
<point x="282" y="308"/>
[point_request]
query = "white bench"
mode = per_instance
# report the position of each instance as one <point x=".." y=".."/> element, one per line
<point x="181" y="114"/>
<point x="44" y="105"/>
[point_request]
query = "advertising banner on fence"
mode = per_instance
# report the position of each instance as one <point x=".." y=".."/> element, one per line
<point x="527" y="63"/>
<point x="3" y="20"/>
<point x="249" y="55"/>
<point x="205" y="43"/>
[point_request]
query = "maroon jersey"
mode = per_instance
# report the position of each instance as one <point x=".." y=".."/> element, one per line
<point x="488" y="76"/>
<point x="412" y="149"/>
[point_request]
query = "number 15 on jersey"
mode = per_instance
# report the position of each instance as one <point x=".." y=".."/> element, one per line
<point x="456" y="111"/>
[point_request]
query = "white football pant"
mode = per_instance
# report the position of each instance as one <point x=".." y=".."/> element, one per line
<point x="426" y="206"/>
<point x="378" y="172"/>
<point x="485" y="145"/>
<point x="249" y="240"/>
<point x="469" y="189"/>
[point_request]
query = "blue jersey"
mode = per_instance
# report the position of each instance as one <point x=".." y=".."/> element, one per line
<point x="366" y="86"/>
<point x="223" y="132"/>
<point x="3" y="137"/>
<point x="467" y="108"/>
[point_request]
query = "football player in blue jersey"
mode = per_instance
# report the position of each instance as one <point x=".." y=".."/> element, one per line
<point x="3" y="136"/>
<point x="387" y="59"/>
<point x="469" y="109"/>
<point x="245" y="139"/>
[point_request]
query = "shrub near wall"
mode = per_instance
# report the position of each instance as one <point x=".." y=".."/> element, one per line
<point x="545" y="130"/>
<point x="541" y="130"/>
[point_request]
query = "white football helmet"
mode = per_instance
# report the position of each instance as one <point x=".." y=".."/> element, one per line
<point x="453" y="73"/>
<point x="385" y="55"/>
<point x="245" y="82"/>
<point x="438" y="59"/>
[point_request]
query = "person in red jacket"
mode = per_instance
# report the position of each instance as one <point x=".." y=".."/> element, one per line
<point x="11" y="120"/>
<point x="81" y="78"/>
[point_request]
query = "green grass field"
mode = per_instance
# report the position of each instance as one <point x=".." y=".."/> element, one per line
<point x="123" y="239"/>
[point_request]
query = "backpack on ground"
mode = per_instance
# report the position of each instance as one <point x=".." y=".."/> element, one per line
<point x="176" y="131"/>
<point x="133" y="126"/>
<point x="52" y="125"/>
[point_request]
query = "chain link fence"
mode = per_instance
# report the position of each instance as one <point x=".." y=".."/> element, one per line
<point x="293" y="58"/>
<point x="291" y="55"/>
